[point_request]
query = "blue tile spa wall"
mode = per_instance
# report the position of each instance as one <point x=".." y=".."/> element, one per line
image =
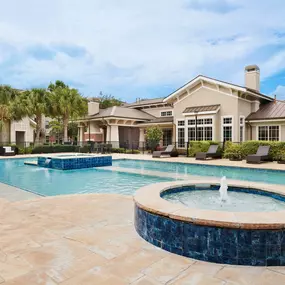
<point x="75" y="163"/>
<point x="212" y="244"/>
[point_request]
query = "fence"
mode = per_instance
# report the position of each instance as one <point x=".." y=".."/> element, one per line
<point x="108" y="147"/>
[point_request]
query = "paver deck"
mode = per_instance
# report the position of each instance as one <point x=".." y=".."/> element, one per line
<point x="90" y="239"/>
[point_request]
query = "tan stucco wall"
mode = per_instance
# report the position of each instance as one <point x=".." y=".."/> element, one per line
<point x="244" y="109"/>
<point x="156" y="111"/>
<point x="277" y="123"/>
<point x="23" y="125"/>
<point x="205" y="96"/>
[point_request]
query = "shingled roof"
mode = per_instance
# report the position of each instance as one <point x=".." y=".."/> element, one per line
<point x="273" y="110"/>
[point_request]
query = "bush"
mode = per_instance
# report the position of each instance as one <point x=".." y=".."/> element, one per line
<point x="250" y="147"/>
<point x="134" y="151"/>
<point x="201" y="146"/>
<point x="118" y="150"/>
<point x="233" y="151"/>
<point x="55" y="149"/>
<point x="27" y="150"/>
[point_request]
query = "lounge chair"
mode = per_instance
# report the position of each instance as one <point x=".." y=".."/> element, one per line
<point x="167" y="151"/>
<point x="261" y="155"/>
<point x="211" y="153"/>
<point x="6" y="151"/>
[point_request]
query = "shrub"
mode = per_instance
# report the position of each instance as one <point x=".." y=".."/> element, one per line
<point x="134" y="151"/>
<point x="201" y="146"/>
<point x="25" y="150"/>
<point x="250" y="147"/>
<point x="118" y="150"/>
<point x="55" y="148"/>
<point x="233" y="151"/>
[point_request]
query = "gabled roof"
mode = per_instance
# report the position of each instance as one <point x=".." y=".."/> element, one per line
<point x="272" y="110"/>
<point x="122" y="112"/>
<point x="220" y="82"/>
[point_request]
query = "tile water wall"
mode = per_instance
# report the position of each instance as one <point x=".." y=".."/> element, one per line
<point x="74" y="162"/>
<point x="212" y="244"/>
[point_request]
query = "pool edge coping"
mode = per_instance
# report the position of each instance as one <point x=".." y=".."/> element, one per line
<point x="149" y="199"/>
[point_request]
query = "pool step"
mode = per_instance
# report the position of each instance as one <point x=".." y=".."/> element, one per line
<point x="33" y="163"/>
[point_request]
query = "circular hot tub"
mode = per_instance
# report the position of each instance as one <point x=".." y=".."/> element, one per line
<point x="189" y="219"/>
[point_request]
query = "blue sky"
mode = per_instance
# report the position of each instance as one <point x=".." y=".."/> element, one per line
<point x="140" y="49"/>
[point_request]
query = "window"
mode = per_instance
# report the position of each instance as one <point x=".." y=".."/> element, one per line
<point x="167" y="137"/>
<point x="191" y="134"/>
<point x="268" y="133"/>
<point x="208" y="121"/>
<point x="166" y="114"/>
<point x="181" y="137"/>
<point x="204" y="129"/>
<point x="241" y="129"/>
<point x="181" y="123"/>
<point x="200" y="134"/>
<point x="227" y="133"/>
<point x="227" y="129"/>
<point x="208" y="134"/>
<point x="191" y="122"/>
<point x="227" y="120"/>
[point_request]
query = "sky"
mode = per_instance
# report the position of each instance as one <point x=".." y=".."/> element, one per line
<point x="140" y="49"/>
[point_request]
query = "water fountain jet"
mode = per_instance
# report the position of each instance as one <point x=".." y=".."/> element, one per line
<point x="224" y="190"/>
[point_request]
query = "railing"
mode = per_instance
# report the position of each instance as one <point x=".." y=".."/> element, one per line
<point x="131" y="147"/>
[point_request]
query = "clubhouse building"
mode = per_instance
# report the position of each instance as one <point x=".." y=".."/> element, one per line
<point x="202" y="109"/>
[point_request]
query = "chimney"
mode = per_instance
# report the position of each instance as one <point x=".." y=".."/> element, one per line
<point x="93" y="108"/>
<point x="275" y="98"/>
<point x="252" y="77"/>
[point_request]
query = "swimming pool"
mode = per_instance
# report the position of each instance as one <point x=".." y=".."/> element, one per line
<point x="237" y="173"/>
<point x="51" y="182"/>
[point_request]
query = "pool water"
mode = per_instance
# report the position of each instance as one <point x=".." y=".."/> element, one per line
<point x="50" y="182"/>
<point x="237" y="173"/>
<point x="237" y="201"/>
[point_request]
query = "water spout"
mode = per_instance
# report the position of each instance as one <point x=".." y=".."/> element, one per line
<point x="224" y="190"/>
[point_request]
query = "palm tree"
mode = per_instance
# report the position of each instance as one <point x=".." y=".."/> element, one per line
<point x="36" y="101"/>
<point x="10" y="109"/>
<point x="66" y="103"/>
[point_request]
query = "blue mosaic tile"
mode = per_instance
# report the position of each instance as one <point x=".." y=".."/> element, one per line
<point x="213" y="244"/>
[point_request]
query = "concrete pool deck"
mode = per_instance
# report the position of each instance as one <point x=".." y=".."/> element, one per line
<point x="90" y="239"/>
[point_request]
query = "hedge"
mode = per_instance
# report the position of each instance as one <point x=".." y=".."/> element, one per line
<point x="55" y="148"/>
<point x="201" y="146"/>
<point x="250" y="147"/>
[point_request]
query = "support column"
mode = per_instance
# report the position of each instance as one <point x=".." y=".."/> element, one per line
<point x="108" y="134"/>
<point x="142" y="139"/>
<point x="81" y="135"/>
<point x="115" y="136"/>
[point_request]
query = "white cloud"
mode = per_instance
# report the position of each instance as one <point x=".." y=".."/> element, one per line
<point x="279" y="92"/>
<point x="132" y="46"/>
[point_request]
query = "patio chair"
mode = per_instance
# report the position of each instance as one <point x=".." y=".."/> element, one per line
<point x="6" y="151"/>
<point x="167" y="151"/>
<point x="211" y="153"/>
<point x="261" y="155"/>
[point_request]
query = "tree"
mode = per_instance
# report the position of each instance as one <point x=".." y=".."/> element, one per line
<point x="107" y="100"/>
<point x="66" y="103"/>
<point x="36" y="102"/>
<point x="56" y="128"/>
<point x="72" y="130"/>
<point x="153" y="136"/>
<point x="10" y="109"/>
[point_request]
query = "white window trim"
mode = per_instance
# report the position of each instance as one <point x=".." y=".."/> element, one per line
<point x="227" y="125"/>
<point x="271" y="125"/>
<point x="204" y="125"/>
<point x="185" y="131"/>
<point x="166" y="111"/>
<point x="242" y="125"/>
